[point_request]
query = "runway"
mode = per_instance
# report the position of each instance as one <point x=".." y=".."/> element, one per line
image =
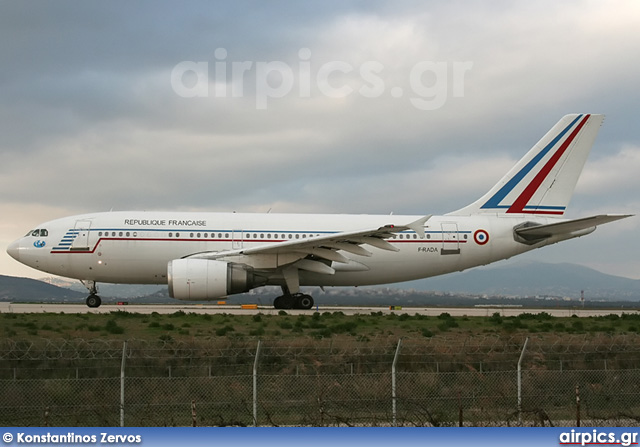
<point x="6" y="307"/>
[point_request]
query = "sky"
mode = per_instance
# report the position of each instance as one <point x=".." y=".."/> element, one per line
<point x="410" y="107"/>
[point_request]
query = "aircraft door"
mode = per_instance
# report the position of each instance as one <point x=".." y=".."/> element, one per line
<point x="236" y="239"/>
<point x="450" y="239"/>
<point x="81" y="241"/>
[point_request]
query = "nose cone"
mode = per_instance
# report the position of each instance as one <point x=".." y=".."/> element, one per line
<point x="14" y="250"/>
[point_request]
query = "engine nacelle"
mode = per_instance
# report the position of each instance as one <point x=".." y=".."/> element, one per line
<point x="203" y="279"/>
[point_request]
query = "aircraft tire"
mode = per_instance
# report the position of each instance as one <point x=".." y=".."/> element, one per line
<point x="304" y="302"/>
<point x="93" y="301"/>
<point x="288" y="301"/>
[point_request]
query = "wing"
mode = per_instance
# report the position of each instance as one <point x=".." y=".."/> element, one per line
<point x="316" y="254"/>
<point x="537" y="233"/>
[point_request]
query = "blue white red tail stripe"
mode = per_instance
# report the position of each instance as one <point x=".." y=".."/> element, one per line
<point x="521" y="204"/>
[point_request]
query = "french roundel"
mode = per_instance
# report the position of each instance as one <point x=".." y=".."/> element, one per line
<point x="481" y="237"/>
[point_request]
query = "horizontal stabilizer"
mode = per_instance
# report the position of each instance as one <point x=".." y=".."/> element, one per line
<point x="535" y="233"/>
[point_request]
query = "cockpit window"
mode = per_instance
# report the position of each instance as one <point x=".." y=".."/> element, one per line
<point x="39" y="232"/>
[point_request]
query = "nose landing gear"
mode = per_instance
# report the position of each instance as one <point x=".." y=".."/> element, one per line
<point x="93" y="300"/>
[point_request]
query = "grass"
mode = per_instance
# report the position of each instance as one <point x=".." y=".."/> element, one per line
<point x="185" y="326"/>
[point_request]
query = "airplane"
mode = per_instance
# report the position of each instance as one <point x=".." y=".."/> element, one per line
<point x="208" y="256"/>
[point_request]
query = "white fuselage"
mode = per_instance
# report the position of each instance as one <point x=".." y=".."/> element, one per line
<point x="209" y="255"/>
<point x="135" y="247"/>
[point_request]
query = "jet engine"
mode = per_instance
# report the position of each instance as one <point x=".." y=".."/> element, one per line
<point x="204" y="279"/>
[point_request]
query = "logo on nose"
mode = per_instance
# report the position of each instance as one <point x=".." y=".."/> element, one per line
<point x="39" y="244"/>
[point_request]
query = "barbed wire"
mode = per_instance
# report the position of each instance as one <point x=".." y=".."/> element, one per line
<point x="490" y="349"/>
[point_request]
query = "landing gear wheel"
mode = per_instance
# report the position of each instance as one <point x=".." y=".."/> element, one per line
<point x="288" y="301"/>
<point x="297" y="301"/>
<point x="284" y="302"/>
<point x="93" y="301"/>
<point x="304" y="302"/>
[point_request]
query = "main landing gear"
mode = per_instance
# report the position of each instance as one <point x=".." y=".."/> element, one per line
<point x="291" y="297"/>
<point x="93" y="300"/>
<point x="293" y="301"/>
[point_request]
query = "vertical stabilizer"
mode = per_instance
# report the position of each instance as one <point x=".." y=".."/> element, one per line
<point x="542" y="182"/>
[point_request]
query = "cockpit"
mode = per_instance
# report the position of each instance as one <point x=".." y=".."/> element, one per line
<point x="40" y="232"/>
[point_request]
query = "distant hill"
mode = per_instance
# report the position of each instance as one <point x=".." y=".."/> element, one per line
<point x="523" y="279"/>
<point x="109" y="290"/>
<point x="25" y="289"/>
<point x="536" y="278"/>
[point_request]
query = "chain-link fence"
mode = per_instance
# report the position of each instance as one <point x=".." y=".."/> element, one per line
<point x="309" y="382"/>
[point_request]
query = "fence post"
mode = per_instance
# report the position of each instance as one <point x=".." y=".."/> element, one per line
<point x="394" y="396"/>
<point x="255" y="386"/>
<point x="520" y="381"/>
<point x="124" y="356"/>
<point x="577" y="406"/>
<point x="460" y="419"/>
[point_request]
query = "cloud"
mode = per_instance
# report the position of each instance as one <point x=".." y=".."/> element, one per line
<point x="612" y="174"/>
